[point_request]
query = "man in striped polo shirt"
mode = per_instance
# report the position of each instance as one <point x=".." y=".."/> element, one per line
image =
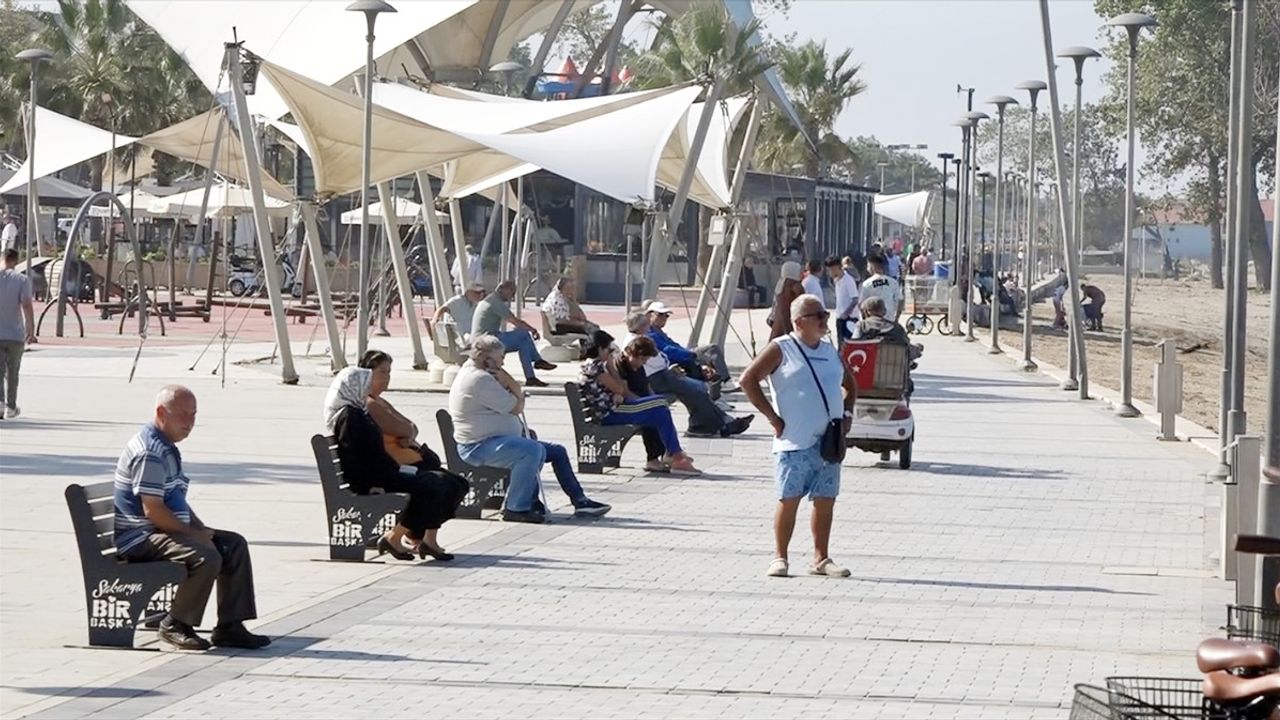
<point x="154" y="522"/>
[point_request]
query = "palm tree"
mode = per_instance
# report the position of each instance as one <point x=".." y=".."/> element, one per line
<point x="703" y="43"/>
<point x="820" y="87"/>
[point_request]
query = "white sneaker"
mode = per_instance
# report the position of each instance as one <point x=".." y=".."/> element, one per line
<point x="778" y="568"/>
<point x="12" y="412"/>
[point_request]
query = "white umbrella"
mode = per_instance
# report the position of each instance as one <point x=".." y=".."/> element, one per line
<point x="224" y="201"/>
<point x="139" y="201"/>
<point x="407" y="213"/>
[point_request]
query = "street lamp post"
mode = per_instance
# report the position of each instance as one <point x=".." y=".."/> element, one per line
<point x="35" y="56"/>
<point x="883" y="164"/>
<point x="983" y="177"/>
<point x="1001" y="102"/>
<point x="1033" y="88"/>
<point x="1133" y="23"/>
<point x="974" y="242"/>
<point x="962" y="213"/>
<point x="1245" y="196"/>
<point x="955" y="221"/>
<point x="371" y="10"/>
<point x="942" y="234"/>
<point x="1076" y="380"/>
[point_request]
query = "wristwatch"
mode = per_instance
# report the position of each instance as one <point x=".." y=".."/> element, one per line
<point x="848" y="414"/>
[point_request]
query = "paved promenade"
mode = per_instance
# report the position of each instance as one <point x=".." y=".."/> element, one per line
<point x="1038" y="541"/>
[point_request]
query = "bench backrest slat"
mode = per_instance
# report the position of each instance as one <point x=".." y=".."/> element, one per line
<point x="583" y="413"/>
<point x="92" y="509"/>
<point x="325" y="448"/>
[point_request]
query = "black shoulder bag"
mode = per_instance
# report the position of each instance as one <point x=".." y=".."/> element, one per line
<point x="833" y="444"/>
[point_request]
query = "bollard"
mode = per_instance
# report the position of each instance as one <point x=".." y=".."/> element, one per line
<point x="1228" y="523"/>
<point x="1166" y="388"/>
<point x="1246" y="470"/>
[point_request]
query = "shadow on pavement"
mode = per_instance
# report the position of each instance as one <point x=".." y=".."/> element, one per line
<point x="1000" y="586"/>
<point x="91" y="469"/>
<point x="73" y="692"/>
<point x="929" y="380"/>
<point x="986" y="471"/>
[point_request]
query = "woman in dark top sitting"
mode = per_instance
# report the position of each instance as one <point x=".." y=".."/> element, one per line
<point x="434" y="494"/>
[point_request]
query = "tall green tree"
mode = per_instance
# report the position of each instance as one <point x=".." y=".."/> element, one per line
<point x="1181" y="104"/>
<point x="821" y="87"/>
<point x="703" y="43"/>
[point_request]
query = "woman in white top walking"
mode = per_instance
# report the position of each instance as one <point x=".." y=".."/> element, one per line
<point x="806" y="373"/>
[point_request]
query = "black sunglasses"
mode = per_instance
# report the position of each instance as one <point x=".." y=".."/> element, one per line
<point x="821" y="316"/>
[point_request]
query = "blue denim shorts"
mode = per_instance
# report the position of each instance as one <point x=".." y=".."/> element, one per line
<point x="803" y="472"/>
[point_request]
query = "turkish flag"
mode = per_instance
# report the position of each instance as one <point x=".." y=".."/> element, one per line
<point x="860" y="357"/>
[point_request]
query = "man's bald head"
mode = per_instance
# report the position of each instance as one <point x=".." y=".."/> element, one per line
<point x="175" y="412"/>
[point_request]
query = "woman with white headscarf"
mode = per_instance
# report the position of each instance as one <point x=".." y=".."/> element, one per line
<point x="789" y="288"/>
<point x="434" y="495"/>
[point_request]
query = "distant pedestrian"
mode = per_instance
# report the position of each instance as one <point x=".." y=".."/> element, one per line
<point x="1095" y="300"/>
<point x="17" y="329"/>
<point x="807" y="376"/>
<point x="9" y="235"/>
<point x="788" y="289"/>
<point x="846" y="298"/>
<point x="812" y="281"/>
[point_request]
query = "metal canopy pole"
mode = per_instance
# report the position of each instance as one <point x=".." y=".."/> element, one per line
<point x="253" y="171"/>
<point x="718" y="251"/>
<point x="548" y="40"/>
<point x="208" y="190"/>
<point x="440" y="282"/>
<point x="1269" y="487"/>
<point x="460" y="243"/>
<point x="661" y="246"/>
<point x="1065" y="216"/>
<point x="1222" y="471"/>
<point x="1237" y="420"/>
<point x="337" y="355"/>
<point x="738" y="247"/>
<point x="390" y="229"/>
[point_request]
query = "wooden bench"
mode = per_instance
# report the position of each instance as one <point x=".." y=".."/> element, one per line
<point x="599" y="446"/>
<point x="118" y="596"/>
<point x="488" y="483"/>
<point x="355" y="521"/>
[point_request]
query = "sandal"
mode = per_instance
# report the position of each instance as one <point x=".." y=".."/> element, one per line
<point x="657" y="466"/>
<point x="778" y="568"/>
<point x="826" y="567"/>
<point x="684" y="466"/>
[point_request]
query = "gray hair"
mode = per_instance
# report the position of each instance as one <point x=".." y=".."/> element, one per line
<point x="803" y="303"/>
<point x="874" y="306"/>
<point x="636" y="321"/>
<point x="171" y="394"/>
<point x="485" y="349"/>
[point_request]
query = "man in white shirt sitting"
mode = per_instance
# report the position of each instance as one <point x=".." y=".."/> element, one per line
<point x="846" y="298"/>
<point x="566" y="316"/>
<point x="462" y="309"/>
<point x="880" y="285"/>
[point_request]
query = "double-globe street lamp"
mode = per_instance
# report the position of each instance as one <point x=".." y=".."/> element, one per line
<point x="1001" y="102"/>
<point x="1077" y="378"/>
<point x="1133" y="23"/>
<point x="942" y="233"/>
<point x="966" y="125"/>
<point x="1033" y="88"/>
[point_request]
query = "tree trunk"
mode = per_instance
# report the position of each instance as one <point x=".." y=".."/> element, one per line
<point x="1215" y="221"/>
<point x="1259" y="247"/>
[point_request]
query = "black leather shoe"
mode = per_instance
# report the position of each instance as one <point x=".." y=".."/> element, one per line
<point x="385" y="548"/>
<point x="235" y="635"/>
<point x="181" y="635"/>
<point x="425" y="550"/>
<point x="528" y="516"/>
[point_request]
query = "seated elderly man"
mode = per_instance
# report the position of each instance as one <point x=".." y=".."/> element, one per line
<point x="493" y="313"/>
<point x="566" y="315"/>
<point x="487" y="406"/>
<point x="462" y="308"/>
<point x="691" y="360"/>
<point x="705" y="417"/>
<point x="154" y="522"/>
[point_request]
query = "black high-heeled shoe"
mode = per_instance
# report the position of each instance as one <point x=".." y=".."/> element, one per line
<point x="386" y="548"/>
<point x="424" y="551"/>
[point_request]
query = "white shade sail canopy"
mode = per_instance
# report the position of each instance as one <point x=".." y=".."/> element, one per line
<point x="332" y="122"/>
<point x="192" y="140"/>
<point x="61" y="142"/>
<point x="616" y="154"/>
<point x="906" y="208"/>
<point x="224" y="201"/>
<point x="139" y="202"/>
<point x="319" y="35"/>
<point x="407" y="212"/>
<point x="710" y="186"/>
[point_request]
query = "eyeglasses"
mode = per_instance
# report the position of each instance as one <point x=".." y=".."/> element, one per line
<point x="821" y="316"/>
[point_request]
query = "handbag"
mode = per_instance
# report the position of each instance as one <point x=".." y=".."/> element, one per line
<point x="833" y="447"/>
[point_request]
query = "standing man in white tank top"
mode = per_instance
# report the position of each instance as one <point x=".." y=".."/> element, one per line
<point x="807" y="377"/>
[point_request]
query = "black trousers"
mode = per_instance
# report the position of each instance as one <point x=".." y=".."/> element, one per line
<point x="434" y="497"/>
<point x="225" y="560"/>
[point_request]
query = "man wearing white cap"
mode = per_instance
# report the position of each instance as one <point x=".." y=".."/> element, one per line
<point x="691" y="360"/>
